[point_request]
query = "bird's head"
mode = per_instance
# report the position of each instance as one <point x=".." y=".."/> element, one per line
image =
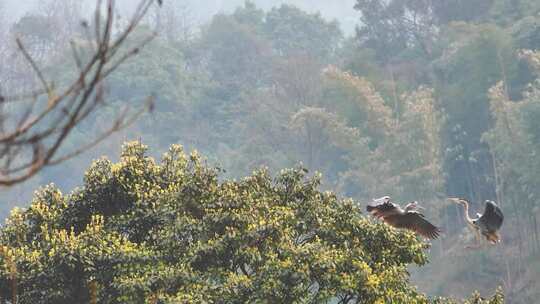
<point x="381" y="200"/>
<point x="413" y="206"/>
<point x="458" y="200"/>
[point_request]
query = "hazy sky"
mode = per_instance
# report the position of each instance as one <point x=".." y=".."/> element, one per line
<point x="17" y="8"/>
<point x="202" y="10"/>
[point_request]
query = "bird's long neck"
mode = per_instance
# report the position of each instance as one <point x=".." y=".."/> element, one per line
<point x="466" y="212"/>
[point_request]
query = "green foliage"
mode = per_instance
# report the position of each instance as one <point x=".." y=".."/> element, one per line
<point x="397" y="148"/>
<point x="292" y="31"/>
<point x="237" y="54"/>
<point x="506" y="12"/>
<point x="137" y="229"/>
<point x="527" y="33"/>
<point x="391" y="27"/>
<point x="461" y="10"/>
<point x="497" y="298"/>
<point x="513" y="140"/>
<point x="478" y="56"/>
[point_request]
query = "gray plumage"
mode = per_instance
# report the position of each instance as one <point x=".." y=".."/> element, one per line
<point x="492" y="218"/>
<point x="487" y="224"/>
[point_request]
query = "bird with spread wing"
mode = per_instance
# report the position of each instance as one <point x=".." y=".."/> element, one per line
<point x="408" y="218"/>
<point x="487" y="224"/>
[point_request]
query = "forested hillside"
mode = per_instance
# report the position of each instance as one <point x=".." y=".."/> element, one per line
<point x="426" y="100"/>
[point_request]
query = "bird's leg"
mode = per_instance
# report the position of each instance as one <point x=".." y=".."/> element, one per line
<point x="479" y="239"/>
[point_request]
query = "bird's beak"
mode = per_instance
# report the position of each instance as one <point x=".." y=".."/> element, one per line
<point x="420" y="208"/>
<point x="454" y="199"/>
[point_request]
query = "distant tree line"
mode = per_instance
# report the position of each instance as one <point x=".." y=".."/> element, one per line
<point x="426" y="100"/>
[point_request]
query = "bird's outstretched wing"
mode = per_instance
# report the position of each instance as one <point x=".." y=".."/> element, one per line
<point x="493" y="218"/>
<point x="414" y="221"/>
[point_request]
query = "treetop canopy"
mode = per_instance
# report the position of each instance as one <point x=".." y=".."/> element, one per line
<point x="142" y="231"/>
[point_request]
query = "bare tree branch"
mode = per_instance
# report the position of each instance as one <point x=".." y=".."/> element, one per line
<point x="33" y="139"/>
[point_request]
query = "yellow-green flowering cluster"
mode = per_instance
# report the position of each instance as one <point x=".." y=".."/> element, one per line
<point x="141" y="231"/>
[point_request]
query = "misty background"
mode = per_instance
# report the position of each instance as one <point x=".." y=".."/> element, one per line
<point x="426" y="100"/>
<point x="202" y="11"/>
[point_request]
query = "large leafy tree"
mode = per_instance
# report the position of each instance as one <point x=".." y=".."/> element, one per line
<point x="293" y="31"/>
<point x="138" y="230"/>
<point x="391" y="27"/>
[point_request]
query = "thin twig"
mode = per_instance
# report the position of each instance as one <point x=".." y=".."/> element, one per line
<point x="35" y="147"/>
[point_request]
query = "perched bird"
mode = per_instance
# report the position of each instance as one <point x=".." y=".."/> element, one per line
<point x="407" y="218"/>
<point x="487" y="224"/>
